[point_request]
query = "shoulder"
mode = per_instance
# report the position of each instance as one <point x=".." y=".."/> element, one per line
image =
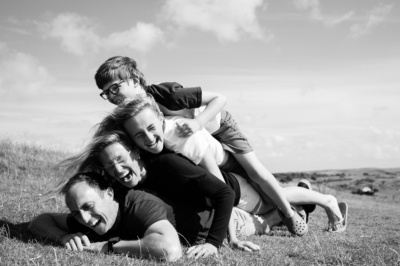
<point x="145" y="208"/>
<point x="140" y="197"/>
<point x="168" y="158"/>
<point x="174" y="96"/>
<point x="163" y="87"/>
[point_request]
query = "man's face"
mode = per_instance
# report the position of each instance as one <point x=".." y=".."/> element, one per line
<point x="146" y="130"/>
<point x="122" y="164"/>
<point x="92" y="208"/>
<point x="118" y="91"/>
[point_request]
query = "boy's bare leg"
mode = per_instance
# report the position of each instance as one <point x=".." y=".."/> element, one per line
<point x="302" y="196"/>
<point x="265" y="180"/>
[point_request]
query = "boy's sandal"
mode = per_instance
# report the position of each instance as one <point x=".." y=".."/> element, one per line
<point x="340" y="226"/>
<point x="295" y="224"/>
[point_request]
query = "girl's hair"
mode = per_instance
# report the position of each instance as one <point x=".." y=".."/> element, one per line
<point x="107" y="132"/>
<point x="88" y="159"/>
<point x="118" y="67"/>
<point x="119" y="115"/>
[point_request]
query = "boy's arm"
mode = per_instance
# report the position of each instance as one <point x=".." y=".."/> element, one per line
<point x="235" y="242"/>
<point x="160" y="241"/>
<point x="54" y="226"/>
<point x="214" y="103"/>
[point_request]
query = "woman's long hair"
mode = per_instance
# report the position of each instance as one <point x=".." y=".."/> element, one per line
<point x="88" y="159"/>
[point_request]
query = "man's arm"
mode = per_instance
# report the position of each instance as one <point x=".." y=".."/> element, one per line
<point x="160" y="241"/>
<point x="54" y="226"/>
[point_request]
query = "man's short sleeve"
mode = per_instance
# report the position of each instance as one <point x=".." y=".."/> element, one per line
<point x="141" y="214"/>
<point x="174" y="96"/>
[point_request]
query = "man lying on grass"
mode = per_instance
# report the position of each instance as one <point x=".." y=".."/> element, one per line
<point x="137" y="223"/>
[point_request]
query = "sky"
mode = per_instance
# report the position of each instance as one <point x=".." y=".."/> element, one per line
<point x="313" y="84"/>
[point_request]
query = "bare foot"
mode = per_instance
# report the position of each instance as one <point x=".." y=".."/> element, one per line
<point x="335" y="217"/>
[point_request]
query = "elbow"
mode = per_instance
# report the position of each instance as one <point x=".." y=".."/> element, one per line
<point x="223" y="99"/>
<point x="37" y="222"/>
<point x="172" y="249"/>
<point x="165" y="249"/>
<point x="173" y="253"/>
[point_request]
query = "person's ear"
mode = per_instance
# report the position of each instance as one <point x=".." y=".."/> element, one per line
<point x="110" y="192"/>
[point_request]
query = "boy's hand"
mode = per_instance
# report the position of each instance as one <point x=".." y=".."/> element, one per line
<point x="75" y="241"/>
<point x="244" y="245"/>
<point x="186" y="127"/>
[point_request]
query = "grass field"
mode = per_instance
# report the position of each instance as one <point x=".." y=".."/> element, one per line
<point x="372" y="236"/>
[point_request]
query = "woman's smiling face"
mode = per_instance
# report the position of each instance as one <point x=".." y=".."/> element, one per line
<point x="122" y="164"/>
<point x="146" y="130"/>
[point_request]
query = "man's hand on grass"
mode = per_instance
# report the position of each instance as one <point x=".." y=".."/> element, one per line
<point x="202" y="251"/>
<point x="75" y="241"/>
<point x="97" y="247"/>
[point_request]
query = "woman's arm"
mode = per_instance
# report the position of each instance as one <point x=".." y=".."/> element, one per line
<point x="185" y="178"/>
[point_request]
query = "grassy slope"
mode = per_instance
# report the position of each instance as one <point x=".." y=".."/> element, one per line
<point x="373" y="236"/>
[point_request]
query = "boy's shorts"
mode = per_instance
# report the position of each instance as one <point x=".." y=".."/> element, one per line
<point x="250" y="200"/>
<point x="247" y="224"/>
<point x="230" y="136"/>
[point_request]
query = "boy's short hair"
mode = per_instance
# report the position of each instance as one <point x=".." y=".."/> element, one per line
<point x="92" y="179"/>
<point x="118" y="67"/>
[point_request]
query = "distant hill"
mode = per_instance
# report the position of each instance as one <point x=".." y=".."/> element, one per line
<point x="386" y="182"/>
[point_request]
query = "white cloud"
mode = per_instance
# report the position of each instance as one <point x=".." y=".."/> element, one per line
<point x="75" y="32"/>
<point x="313" y="6"/>
<point x="141" y="37"/>
<point x="336" y="20"/>
<point x="229" y="20"/>
<point x="21" y="74"/>
<point x="78" y="35"/>
<point x="373" y="18"/>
